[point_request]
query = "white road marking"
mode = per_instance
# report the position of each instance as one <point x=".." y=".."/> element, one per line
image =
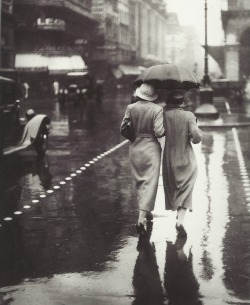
<point x="56" y="187"/>
<point x="228" y="108"/>
<point x="7" y="218"/>
<point x="242" y="165"/>
<point x="18" y="213"/>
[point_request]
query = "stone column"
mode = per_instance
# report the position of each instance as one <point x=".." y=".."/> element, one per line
<point x="232" y="62"/>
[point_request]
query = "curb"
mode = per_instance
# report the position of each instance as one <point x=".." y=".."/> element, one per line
<point x="225" y="125"/>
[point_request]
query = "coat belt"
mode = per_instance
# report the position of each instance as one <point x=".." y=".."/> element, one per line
<point x="144" y="135"/>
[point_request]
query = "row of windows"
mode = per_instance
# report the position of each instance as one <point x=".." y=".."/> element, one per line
<point x="83" y="3"/>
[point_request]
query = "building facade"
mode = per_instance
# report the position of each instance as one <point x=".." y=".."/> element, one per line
<point x="175" y="39"/>
<point x="7" y="35"/>
<point x="106" y="12"/>
<point x="54" y="28"/>
<point x="150" y="31"/>
<point x="236" y="26"/>
<point x="52" y="35"/>
<point x="131" y="32"/>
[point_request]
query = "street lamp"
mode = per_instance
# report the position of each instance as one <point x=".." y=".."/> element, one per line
<point x="206" y="108"/>
<point x="0" y="33"/>
<point x="206" y="78"/>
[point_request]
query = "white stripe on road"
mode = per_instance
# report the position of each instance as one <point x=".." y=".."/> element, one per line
<point x="243" y="172"/>
<point x="242" y="165"/>
<point x="68" y="178"/>
<point x="228" y="107"/>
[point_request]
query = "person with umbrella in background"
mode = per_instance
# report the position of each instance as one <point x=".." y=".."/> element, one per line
<point x="179" y="166"/>
<point x="146" y="119"/>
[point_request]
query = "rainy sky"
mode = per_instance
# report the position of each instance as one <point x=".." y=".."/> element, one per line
<point x="191" y="12"/>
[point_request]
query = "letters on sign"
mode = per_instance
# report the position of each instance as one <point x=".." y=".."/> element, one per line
<point x="51" y="23"/>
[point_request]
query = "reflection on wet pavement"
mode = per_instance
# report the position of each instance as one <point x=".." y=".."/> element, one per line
<point x="78" y="245"/>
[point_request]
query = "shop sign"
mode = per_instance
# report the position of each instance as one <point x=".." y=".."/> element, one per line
<point x="51" y="24"/>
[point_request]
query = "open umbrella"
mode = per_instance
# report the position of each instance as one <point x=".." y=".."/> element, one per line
<point x="168" y="76"/>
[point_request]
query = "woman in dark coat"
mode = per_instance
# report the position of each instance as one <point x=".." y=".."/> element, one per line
<point x="145" y="151"/>
<point x="179" y="161"/>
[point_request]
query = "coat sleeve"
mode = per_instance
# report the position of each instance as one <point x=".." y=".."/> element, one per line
<point x="125" y="119"/>
<point x="194" y="131"/>
<point x="158" y="124"/>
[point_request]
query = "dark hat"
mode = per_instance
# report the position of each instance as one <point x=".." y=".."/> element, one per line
<point x="176" y="96"/>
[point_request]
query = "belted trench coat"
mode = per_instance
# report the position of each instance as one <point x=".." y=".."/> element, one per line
<point x="145" y="151"/>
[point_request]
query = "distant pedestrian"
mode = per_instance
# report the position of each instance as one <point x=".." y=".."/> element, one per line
<point x="99" y="91"/>
<point x="56" y="87"/>
<point x="26" y="89"/>
<point x="179" y="166"/>
<point x="145" y="151"/>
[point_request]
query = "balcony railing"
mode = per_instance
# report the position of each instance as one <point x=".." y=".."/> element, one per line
<point x="79" y="6"/>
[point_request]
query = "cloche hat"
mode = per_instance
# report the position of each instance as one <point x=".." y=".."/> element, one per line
<point x="147" y="92"/>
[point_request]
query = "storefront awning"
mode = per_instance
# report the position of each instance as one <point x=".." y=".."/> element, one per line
<point x="217" y="52"/>
<point x="31" y="62"/>
<point x="130" y="70"/>
<point x="54" y="64"/>
<point x="126" y="70"/>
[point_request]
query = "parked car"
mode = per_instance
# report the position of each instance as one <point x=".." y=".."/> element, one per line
<point x="76" y="87"/>
<point x="18" y="133"/>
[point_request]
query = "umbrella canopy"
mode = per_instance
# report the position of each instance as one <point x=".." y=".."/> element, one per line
<point x="168" y="76"/>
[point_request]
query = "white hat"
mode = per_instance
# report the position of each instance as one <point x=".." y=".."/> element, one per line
<point x="147" y="92"/>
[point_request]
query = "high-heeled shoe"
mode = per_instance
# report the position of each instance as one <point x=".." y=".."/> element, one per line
<point x="149" y="228"/>
<point x="181" y="232"/>
<point x="149" y="217"/>
<point x="140" y="229"/>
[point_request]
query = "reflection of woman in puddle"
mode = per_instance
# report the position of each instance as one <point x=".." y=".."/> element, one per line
<point x="146" y="280"/>
<point x="180" y="283"/>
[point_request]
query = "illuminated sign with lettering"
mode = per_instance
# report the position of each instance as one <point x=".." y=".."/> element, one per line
<point x="51" y="24"/>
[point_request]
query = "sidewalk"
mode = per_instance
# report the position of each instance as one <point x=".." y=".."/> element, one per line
<point x="230" y="115"/>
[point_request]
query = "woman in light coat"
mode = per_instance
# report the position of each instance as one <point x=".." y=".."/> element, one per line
<point x="145" y="151"/>
<point x="179" y="165"/>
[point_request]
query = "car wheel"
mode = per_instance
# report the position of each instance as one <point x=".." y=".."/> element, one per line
<point x="41" y="143"/>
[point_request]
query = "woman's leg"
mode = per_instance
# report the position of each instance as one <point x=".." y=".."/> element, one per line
<point x="181" y="212"/>
<point x="140" y="224"/>
<point x="149" y="217"/>
<point x="142" y="215"/>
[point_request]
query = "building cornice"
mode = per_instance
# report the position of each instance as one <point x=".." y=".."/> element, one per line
<point x="156" y="7"/>
<point x="227" y="15"/>
<point x="77" y="8"/>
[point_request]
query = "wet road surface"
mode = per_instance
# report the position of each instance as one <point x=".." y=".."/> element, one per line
<point x="75" y="242"/>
